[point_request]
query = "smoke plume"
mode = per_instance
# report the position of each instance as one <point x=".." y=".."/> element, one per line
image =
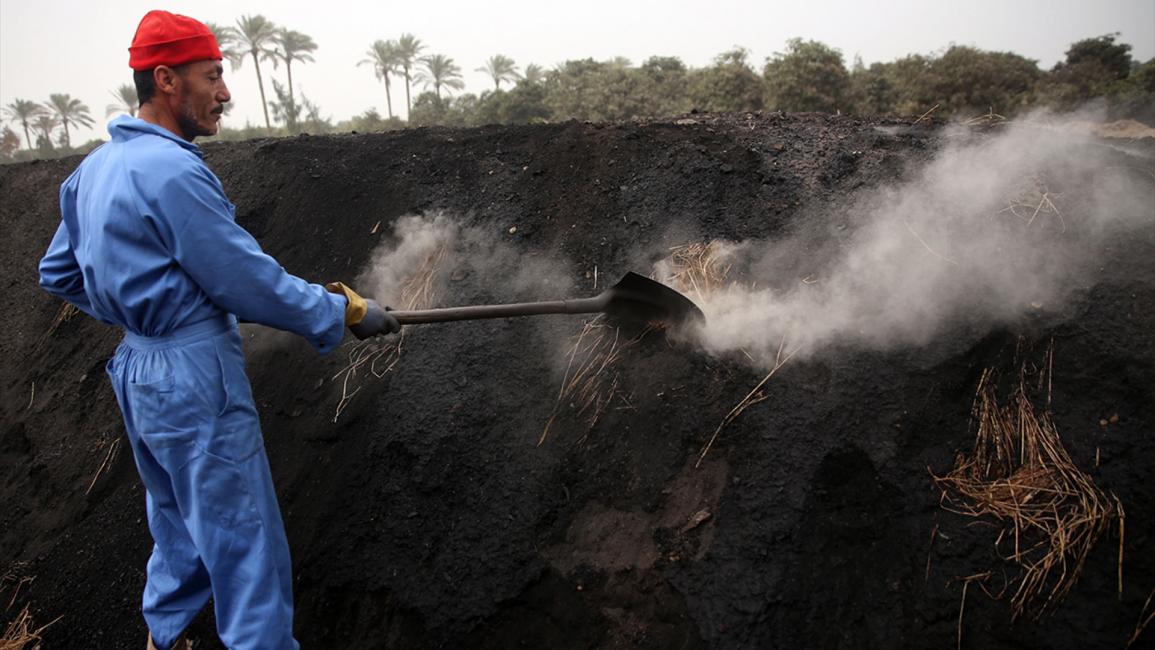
<point x="993" y="229"/>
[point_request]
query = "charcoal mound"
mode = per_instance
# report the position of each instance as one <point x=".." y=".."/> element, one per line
<point x="434" y="513"/>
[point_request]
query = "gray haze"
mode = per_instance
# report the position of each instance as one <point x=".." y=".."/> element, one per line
<point x="988" y="232"/>
<point x="476" y="257"/>
<point x="80" y="47"/>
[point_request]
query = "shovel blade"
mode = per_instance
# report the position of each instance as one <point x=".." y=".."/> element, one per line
<point x="640" y="299"/>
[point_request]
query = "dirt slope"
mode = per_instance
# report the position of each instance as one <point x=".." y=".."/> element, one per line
<point x="428" y="515"/>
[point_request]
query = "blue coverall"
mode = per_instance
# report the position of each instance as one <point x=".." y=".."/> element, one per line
<point x="149" y="242"/>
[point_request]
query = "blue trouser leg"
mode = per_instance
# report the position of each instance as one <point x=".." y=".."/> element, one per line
<point x="212" y="507"/>
<point x="178" y="584"/>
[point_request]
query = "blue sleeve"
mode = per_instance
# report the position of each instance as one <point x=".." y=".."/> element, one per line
<point x="60" y="274"/>
<point x="228" y="264"/>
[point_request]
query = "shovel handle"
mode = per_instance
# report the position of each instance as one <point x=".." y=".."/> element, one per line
<point x="477" y="312"/>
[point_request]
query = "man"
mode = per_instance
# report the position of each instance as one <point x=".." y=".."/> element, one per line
<point x="149" y="242"/>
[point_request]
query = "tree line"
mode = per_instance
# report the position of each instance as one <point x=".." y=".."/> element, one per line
<point x="807" y="75"/>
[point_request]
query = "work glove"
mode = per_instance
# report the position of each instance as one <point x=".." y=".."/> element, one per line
<point x="363" y="316"/>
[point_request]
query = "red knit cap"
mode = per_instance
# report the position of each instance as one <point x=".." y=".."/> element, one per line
<point x="170" y="39"/>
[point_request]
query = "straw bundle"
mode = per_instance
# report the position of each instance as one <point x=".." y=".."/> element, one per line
<point x="1048" y="512"/>
<point x="697" y="269"/>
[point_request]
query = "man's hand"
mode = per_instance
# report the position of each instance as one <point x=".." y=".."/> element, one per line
<point x="364" y="316"/>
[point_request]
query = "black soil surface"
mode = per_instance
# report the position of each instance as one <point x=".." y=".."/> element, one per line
<point x="429" y="516"/>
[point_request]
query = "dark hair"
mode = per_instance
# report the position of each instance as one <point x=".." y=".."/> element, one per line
<point x="146" y="82"/>
<point x="145" y="86"/>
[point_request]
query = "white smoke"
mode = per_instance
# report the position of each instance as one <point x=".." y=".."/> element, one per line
<point x="475" y="256"/>
<point x="992" y="229"/>
<point x="415" y="239"/>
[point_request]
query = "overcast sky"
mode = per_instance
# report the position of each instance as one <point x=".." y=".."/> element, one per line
<point x="79" y="47"/>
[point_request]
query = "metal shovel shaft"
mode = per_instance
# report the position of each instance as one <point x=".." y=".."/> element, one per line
<point x="476" y="312"/>
<point x="635" y="298"/>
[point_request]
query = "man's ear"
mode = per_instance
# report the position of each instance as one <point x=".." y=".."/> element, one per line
<point x="165" y="79"/>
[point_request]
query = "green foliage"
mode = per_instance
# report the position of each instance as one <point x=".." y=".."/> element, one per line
<point x="871" y="91"/>
<point x="592" y="90"/>
<point x="524" y="104"/>
<point x="809" y="76"/>
<point x="9" y="143"/>
<point x="665" y="83"/>
<point x="500" y="68"/>
<point x="534" y="74"/>
<point x="24" y="112"/>
<point x="126" y="101"/>
<point x="385" y="57"/>
<point x="257" y="36"/>
<point x="440" y="71"/>
<point x="1113" y="58"/>
<point x="368" y="122"/>
<point x="292" y="46"/>
<point x="729" y="85"/>
<point x="227" y="41"/>
<point x="408" y="48"/>
<point x="432" y="110"/>
<point x="69" y="111"/>
<point x="1094" y="67"/>
<point x="966" y="80"/>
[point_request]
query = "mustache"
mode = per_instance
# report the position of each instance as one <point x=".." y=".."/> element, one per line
<point x="219" y="110"/>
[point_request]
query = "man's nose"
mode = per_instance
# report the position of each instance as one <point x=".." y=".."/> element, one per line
<point x="223" y="95"/>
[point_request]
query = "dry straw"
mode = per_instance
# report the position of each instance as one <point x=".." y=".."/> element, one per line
<point x="697" y="269"/>
<point x="20" y="633"/>
<point x="1145" y="618"/>
<point x="701" y="270"/>
<point x="110" y="456"/>
<point x="1048" y="512"/>
<point x="591" y="383"/>
<point x="377" y="358"/>
<point x="63" y="315"/>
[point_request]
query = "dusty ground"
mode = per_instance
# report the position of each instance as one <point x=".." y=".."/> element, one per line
<point x="428" y="515"/>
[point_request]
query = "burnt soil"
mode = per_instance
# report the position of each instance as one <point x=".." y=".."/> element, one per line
<point x="429" y="516"/>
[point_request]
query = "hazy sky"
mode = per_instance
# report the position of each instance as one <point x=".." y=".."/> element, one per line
<point x="79" y="47"/>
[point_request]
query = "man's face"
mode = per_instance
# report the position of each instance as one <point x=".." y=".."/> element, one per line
<point x="201" y="99"/>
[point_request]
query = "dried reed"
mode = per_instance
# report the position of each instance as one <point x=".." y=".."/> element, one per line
<point x="1145" y="619"/>
<point x="755" y="396"/>
<point x="63" y="315"/>
<point x="1035" y="201"/>
<point x="378" y="358"/>
<point x="590" y="382"/>
<point x="106" y="464"/>
<point x="21" y="632"/>
<point x="990" y="119"/>
<point x="700" y="270"/>
<point x="1049" y="513"/>
<point x="697" y="269"/>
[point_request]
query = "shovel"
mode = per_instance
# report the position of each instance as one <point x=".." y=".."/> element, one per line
<point x="635" y="298"/>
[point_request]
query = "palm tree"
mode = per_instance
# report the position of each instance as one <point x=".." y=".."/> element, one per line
<point x="256" y="34"/>
<point x="384" y="59"/>
<point x="22" y="111"/>
<point x="9" y="142"/>
<point x="293" y="46"/>
<point x="534" y="74"/>
<point x="440" y="70"/>
<point x="126" y="101"/>
<point x="408" y="47"/>
<point x="44" y="125"/>
<point x="227" y="41"/>
<point x="500" y="68"/>
<point x="68" y="111"/>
